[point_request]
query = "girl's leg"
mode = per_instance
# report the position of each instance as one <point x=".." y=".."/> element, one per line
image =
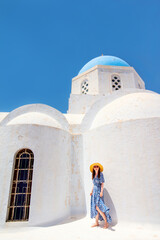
<point x="96" y="224"/>
<point x="104" y="217"/>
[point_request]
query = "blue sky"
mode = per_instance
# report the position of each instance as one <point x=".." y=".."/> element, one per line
<point x="44" y="44"/>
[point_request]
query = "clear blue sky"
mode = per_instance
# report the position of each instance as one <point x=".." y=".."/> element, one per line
<point x="44" y="44"/>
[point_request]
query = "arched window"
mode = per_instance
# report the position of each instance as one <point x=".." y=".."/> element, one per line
<point x="84" y="87"/>
<point x="20" y="195"/>
<point x="116" y="82"/>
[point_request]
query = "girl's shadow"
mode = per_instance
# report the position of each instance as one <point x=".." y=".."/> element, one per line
<point x="109" y="203"/>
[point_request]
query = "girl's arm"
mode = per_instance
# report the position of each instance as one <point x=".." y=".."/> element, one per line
<point x="102" y="185"/>
<point x="92" y="187"/>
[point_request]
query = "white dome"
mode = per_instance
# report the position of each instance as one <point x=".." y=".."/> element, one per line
<point x="39" y="114"/>
<point x="35" y="118"/>
<point x="129" y="107"/>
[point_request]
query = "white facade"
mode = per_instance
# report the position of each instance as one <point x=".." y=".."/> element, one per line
<point x="118" y="128"/>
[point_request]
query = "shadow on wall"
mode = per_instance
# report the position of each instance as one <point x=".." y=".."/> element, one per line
<point x="108" y="201"/>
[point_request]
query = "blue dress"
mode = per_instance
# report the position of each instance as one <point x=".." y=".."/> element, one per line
<point x="99" y="201"/>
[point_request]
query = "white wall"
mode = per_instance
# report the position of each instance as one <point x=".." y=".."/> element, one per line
<point x="50" y="196"/>
<point x="99" y="79"/>
<point x="91" y="76"/>
<point x="100" y="85"/>
<point x="130" y="154"/>
<point x="78" y="204"/>
<point x="45" y="131"/>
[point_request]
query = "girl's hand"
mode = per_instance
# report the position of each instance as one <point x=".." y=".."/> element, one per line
<point x="101" y="194"/>
<point x="91" y="193"/>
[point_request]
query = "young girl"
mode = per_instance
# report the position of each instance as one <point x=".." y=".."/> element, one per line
<point x="98" y="208"/>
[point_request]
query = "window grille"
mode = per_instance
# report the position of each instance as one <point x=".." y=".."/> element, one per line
<point x="84" y="87"/>
<point x="20" y="195"/>
<point x="116" y="82"/>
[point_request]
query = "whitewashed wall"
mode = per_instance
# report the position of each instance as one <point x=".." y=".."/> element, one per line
<point x="78" y="204"/>
<point x="99" y="79"/>
<point x="130" y="154"/>
<point x="51" y="193"/>
<point x="125" y="139"/>
<point x="121" y="132"/>
<point x="100" y="85"/>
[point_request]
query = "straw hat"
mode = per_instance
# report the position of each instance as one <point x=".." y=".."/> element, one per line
<point x="96" y="164"/>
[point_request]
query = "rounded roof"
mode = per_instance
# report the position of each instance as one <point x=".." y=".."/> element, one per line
<point x="39" y="114"/>
<point x="36" y="118"/>
<point x="129" y="107"/>
<point x="104" y="60"/>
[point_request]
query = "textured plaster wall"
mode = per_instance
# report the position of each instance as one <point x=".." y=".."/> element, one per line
<point x="91" y="76"/>
<point x="78" y="205"/>
<point x="130" y="154"/>
<point x="100" y="79"/>
<point x="121" y="132"/>
<point x="100" y="84"/>
<point x="50" y="196"/>
<point x="105" y="78"/>
<point x="81" y="104"/>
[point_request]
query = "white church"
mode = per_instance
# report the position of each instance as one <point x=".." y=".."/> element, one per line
<point x="45" y="154"/>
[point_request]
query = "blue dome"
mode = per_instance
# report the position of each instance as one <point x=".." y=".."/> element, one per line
<point x="104" y="60"/>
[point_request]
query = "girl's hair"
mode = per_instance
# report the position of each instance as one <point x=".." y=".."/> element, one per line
<point x="93" y="173"/>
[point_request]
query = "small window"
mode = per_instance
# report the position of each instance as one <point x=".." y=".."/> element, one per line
<point x="84" y="87"/>
<point x="116" y="82"/>
<point x="20" y="195"/>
